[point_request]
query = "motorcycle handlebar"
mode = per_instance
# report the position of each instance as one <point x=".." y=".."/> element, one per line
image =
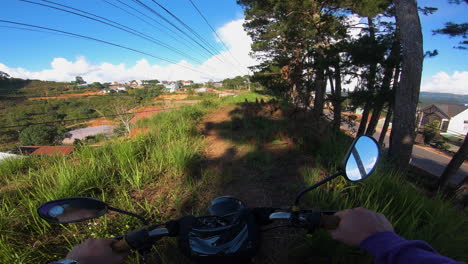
<point x="324" y="219"/>
<point x="309" y="220"/>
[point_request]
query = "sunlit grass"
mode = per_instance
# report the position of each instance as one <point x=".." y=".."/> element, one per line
<point x="156" y="174"/>
<point x="414" y="215"/>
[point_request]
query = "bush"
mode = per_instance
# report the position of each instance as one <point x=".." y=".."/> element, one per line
<point x="431" y="130"/>
<point x="439" y="142"/>
<point x="38" y="135"/>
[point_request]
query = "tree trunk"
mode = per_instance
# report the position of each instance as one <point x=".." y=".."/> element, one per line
<point x="370" y="82"/>
<point x="364" y="119"/>
<point x="320" y="86"/>
<point x="388" y="117"/>
<point x="407" y="94"/>
<point x="380" y="101"/>
<point x="390" y="64"/>
<point x="454" y="164"/>
<point x="391" y="104"/>
<point x="337" y="99"/>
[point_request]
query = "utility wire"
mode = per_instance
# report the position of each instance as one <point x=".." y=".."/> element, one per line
<point x="85" y="118"/>
<point x="186" y="26"/>
<point x="176" y="27"/>
<point x="190" y="29"/>
<point x="108" y="43"/>
<point x="178" y="41"/>
<point x="119" y="26"/>
<point x="216" y="33"/>
<point x="37" y="30"/>
<point x="185" y="42"/>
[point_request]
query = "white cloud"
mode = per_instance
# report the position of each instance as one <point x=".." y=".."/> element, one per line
<point x="356" y="29"/>
<point x="442" y="82"/>
<point x="217" y="67"/>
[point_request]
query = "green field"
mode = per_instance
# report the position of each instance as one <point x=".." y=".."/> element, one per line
<point x="17" y="110"/>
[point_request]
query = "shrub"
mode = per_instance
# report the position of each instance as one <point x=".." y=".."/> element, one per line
<point x="439" y="142"/>
<point x="431" y="130"/>
<point x="37" y="135"/>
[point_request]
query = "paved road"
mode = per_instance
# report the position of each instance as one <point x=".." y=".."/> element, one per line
<point x="431" y="161"/>
<point x="424" y="159"/>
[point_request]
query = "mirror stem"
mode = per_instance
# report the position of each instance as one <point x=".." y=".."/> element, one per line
<point x="128" y="213"/>
<point x="298" y="197"/>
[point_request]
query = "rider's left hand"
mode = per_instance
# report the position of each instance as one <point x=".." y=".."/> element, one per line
<point x="96" y="251"/>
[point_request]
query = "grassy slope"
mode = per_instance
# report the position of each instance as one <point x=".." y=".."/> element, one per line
<point x="34" y="88"/>
<point x="154" y="173"/>
<point x="147" y="174"/>
<point x="17" y="110"/>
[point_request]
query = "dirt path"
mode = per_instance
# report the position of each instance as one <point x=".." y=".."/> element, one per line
<point x="262" y="175"/>
<point x="64" y="96"/>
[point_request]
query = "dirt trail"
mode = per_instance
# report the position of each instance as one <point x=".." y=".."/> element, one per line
<point x="270" y="182"/>
<point x="64" y="96"/>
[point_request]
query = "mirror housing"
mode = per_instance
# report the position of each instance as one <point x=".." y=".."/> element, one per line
<point x="362" y="159"/>
<point x="72" y="210"/>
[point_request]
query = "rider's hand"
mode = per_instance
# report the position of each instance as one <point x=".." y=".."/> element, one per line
<point x="96" y="251"/>
<point x="358" y="224"/>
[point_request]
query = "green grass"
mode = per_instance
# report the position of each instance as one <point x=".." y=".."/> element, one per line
<point x="159" y="175"/>
<point x="118" y="173"/>
<point x="151" y="174"/>
<point x="414" y="215"/>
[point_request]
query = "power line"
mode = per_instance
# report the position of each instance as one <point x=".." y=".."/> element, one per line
<point x="216" y="33"/>
<point x="176" y="27"/>
<point x="36" y="30"/>
<point x="186" y="26"/>
<point x="106" y="42"/>
<point x="120" y="26"/>
<point x="85" y="118"/>
<point x="191" y="30"/>
<point x="178" y="41"/>
<point x="164" y="28"/>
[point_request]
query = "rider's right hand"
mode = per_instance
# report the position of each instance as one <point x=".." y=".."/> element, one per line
<point x="96" y="251"/>
<point x="358" y="224"/>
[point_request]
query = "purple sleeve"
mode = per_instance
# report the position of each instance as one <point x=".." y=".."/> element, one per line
<point x="389" y="248"/>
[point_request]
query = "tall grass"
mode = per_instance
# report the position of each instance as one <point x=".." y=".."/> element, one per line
<point x="414" y="215"/>
<point x="157" y="174"/>
<point x="118" y="172"/>
<point x="153" y="174"/>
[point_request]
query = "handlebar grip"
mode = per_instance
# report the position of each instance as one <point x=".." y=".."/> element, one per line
<point x="120" y="246"/>
<point x="330" y="222"/>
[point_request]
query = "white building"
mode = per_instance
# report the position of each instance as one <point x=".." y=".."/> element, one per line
<point x="171" y="87"/>
<point x="453" y="118"/>
<point x="200" y="90"/>
<point x="5" y="156"/>
<point x="459" y="123"/>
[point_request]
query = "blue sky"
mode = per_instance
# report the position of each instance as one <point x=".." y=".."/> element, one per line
<point x="36" y="54"/>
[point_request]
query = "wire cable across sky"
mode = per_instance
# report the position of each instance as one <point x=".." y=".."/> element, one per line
<point x="108" y="43"/>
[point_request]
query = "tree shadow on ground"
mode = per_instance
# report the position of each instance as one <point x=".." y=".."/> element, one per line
<point x="261" y="153"/>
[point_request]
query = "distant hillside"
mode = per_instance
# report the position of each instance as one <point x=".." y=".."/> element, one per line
<point x="14" y="87"/>
<point x="426" y="98"/>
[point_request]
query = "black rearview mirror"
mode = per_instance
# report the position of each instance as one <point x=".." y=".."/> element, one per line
<point x="72" y="210"/>
<point x="360" y="163"/>
<point x="362" y="158"/>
